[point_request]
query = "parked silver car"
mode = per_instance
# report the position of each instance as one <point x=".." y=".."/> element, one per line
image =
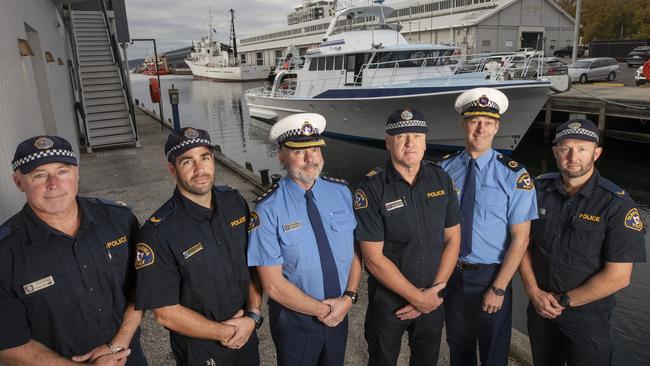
<point x="599" y="68"/>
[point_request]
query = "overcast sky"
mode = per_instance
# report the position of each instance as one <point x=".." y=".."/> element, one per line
<point x="175" y="23"/>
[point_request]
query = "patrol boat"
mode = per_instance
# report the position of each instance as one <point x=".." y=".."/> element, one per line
<point x="365" y="69"/>
<point x="212" y="60"/>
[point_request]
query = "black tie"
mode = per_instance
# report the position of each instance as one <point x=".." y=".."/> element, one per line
<point x="467" y="209"/>
<point x="331" y="284"/>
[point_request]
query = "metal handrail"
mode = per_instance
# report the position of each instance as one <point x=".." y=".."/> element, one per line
<point x="112" y="37"/>
<point x="82" y="110"/>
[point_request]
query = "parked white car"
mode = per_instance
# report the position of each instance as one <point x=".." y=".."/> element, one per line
<point x="639" y="78"/>
<point x="588" y="69"/>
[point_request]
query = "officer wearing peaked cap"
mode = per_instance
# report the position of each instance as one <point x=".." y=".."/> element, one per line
<point x="497" y="205"/>
<point x="191" y="262"/>
<point x="65" y="279"/>
<point x="301" y="241"/>
<point x="582" y="251"/>
<point x="409" y="235"/>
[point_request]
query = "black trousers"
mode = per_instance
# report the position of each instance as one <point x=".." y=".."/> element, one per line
<point x="467" y="323"/>
<point x="384" y="337"/>
<point x="301" y="340"/>
<point x="577" y="337"/>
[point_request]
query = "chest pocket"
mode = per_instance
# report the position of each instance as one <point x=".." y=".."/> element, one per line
<point x="397" y="231"/>
<point x="294" y="239"/>
<point x="47" y="303"/>
<point x="343" y="234"/>
<point x="199" y="264"/>
<point x="112" y="259"/>
<point x="492" y="203"/>
<point x="587" y="238"/>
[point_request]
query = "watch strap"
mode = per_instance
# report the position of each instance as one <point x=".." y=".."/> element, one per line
<point x="498" y="291"/>
<point x="257" y="318"/>
<point x="352" y="295"/>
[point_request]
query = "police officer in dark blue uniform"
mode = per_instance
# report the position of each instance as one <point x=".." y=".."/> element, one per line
<point x="65" y="278"/>
<point x="301" y="241"/>
<point x="409" y="234"/>
<point x="583" y="247"/>
<point x="497" y="203"/>
<point x="191" y="262"/>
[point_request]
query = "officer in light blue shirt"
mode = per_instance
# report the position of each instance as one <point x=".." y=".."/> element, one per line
<point x="498" y="202"/>
<point x="301" y="241"/>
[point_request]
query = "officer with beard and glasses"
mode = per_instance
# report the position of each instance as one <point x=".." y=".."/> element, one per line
<point x="582" y="250"/>
<point x="191" y="262"/>
<point x="301" y="241"/>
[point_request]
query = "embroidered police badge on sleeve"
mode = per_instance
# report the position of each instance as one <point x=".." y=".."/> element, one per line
<point x="144" y="256"/>
<point x="360" y="200"/>
<point x="633" y="220"/>
<point x="525" y="182"/>
<point x="254" y="221"/>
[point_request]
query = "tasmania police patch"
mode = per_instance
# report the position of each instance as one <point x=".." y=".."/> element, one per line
<point x="633" y="220"/>
<point x="360" y="200"/>
<point x="143" y="256"/>
<point x="254" y="221"/>
<point x="525" y="182"/>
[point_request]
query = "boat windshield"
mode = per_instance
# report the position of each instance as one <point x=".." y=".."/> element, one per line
<point x="580" y="65"/>
<point x="344" y="26"/>
<point x="412" y="58"/>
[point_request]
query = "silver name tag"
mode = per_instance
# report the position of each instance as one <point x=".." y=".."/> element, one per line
<point x="38" y="285"/>
<point x="193" y="250"/>
<point x="291" y="226"/>
<point x="395" y="204"/>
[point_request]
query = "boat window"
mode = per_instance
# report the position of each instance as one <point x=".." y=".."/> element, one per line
<point x="349" y="62"/>
<point x="330" y="63"/>
<point x="313" y="63"/>
<point x="338" y="63"/>
<point x="321" y="63"/>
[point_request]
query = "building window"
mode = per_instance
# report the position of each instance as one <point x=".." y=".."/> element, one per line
<point x="486" y="43"/>
<point x="242" y="58"/>
<point x="260" y="59"/>
<point x="278" y="56"/>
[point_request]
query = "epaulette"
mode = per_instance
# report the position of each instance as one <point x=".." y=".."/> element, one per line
<point x="162" y="213"/>
<point x="374" y="171"/>
<point x="225" y="188"/>
<point x="449" y="156"/>
<point x="335" y="180"/>
<point x="511" y="164"/>
<point x="105" y="201"/>
<point x="548" y="176"/>
<point x="5" y="230"/>
<point x="266" y="194"/>
<point x="612" y="187"/>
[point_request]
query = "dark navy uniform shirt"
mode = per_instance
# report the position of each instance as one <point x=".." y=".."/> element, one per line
<point x="196" y="257"/>
<point x="575" y="236"/>
<point x="410" y="220"/>
<point x="68" y="293"/>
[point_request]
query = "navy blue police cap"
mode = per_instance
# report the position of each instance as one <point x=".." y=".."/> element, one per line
<point x="581" y="129"/>
<point x="406" y="120"/>
<point x="184" y="139"/>
<point x="41" y="150"/>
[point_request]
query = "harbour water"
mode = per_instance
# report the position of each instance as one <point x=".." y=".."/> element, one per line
<point x="221" y="110"/>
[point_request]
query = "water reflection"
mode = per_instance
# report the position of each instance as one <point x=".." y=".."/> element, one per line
<point x="220" y="109"/>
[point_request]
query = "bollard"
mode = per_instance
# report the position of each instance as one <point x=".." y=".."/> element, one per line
<point x="249" y="166"/>
<point x="264" y="173"/>
<point x="137" y="102"/>
<point x="275" y="178"/>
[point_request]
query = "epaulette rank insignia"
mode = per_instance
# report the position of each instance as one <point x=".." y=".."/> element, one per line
<point x="374" y="171"/>
<point x="161" y="214"/>
<point x="266" y="194"/>
<point x="335" y="180"/>
<point x="548" y="176"/>
<point x="225" y="188"/>
<point x="511" y="164"/>
<point x="610" y="186"/>
<point x="106" y="201"/>
<point x="5" y="230"/>
<point x="449" y="156"/>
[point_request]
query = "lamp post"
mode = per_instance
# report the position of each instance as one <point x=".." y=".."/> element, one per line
<point x="576" y="33"/>
<point x="155" y="55"/>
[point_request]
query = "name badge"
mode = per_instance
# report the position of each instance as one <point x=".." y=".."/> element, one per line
<point x="395" y="204"/>
<point x="193" y="250"/>
<point x="38" y="285"/>
<point x="291" y="226"/>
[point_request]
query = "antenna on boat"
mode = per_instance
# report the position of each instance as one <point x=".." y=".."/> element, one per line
<point x="210" y="25"/>
<point x="233" y="37"/>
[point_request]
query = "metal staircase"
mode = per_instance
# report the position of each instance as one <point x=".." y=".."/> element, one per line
<point x="105" y="105"/>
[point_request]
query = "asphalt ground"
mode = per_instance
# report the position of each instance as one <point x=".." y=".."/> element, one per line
<point x="139" y="177"/>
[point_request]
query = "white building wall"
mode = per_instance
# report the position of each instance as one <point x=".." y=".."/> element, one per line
<point x="23" y="113"/>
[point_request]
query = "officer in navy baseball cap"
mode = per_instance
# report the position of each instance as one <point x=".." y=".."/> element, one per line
<point x="581" y="129"/>
<point x="406" y="120"/>
<point x="184" y="139"/>
<point x="41" y="150"/>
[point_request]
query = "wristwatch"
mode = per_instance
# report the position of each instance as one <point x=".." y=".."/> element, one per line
<point x="498" y="291"/>
<point x="257" y="318"/>
<point x="113" y="348"/>
<point x="564" y="300"/>
<point x="352" y="295"/>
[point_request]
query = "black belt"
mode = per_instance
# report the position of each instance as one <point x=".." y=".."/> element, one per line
<point x="465" y="266"/>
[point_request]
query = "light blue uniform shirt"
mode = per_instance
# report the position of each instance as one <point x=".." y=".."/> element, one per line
<point x="505" y="196"/>
<point x="284" y="236"/>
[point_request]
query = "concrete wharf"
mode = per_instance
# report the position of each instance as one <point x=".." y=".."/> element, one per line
<point x="140" y="178"/>
<point x="604" y="100"/>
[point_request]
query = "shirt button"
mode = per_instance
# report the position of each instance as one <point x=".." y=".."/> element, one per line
<point x="91" y="289"/>
<point x="422" y="258"/>
<point x="85" y="266"/>
<point x="100" y="309"/>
